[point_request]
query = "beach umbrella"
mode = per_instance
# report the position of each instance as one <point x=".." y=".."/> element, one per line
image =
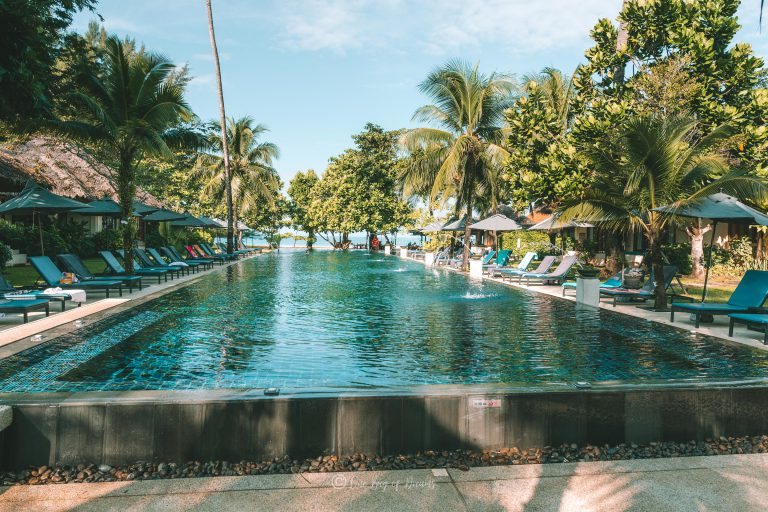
<point x="209" y="222"/>
<point x="431" y="227"/>
<point x="163" y="215"/>
<point x="718" y="207"/>
<point x="34" y="199"/>
<point x="457" y="225"/>
<point x="498" y="224"/>
<point x="104" y="207"/>
<point x="554" y="224"/>
<point x="189" y="221"/>
<point x="143" y="209"/>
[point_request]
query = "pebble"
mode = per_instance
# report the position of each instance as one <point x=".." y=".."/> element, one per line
<point x="462" y="460"/>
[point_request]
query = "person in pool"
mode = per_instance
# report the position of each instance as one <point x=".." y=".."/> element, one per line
<point x="375" y="243"/>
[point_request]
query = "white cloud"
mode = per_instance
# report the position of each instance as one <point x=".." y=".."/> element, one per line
<point x="204" y="80"/>
<point x="438" y="26"/>
<point x="322" y="25"/>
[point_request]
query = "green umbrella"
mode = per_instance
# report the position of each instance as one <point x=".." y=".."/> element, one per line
<point x="718" y="207"/>
<point x="34" y="199"/>
<point x="143" y="209"/>
<point x="209" y="222"/>
<point x="105" y="207"/>
<point x="189" y="221"/>
<point x="163" y="215"/>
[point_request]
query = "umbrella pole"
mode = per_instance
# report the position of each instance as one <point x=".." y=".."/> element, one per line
<point x="709" y="262"/>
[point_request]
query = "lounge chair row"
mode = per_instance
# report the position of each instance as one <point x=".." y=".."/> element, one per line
<point x="148" y="263"/>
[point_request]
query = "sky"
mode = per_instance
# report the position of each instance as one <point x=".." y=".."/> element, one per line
<point x="316" y="71"/>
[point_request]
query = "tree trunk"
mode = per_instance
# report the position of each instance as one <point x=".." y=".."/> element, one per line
<point x="126" y="191"/>
<point x="467" y="234"/>
<point x="310" y="239"/>
<point x="696" y="234"/>
<point x="223" y="121"/>
<point x="621" y="44"/>
<point x="657" y="263"/>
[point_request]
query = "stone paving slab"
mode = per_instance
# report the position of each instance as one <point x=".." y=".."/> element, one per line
<point x="727" y="483"/>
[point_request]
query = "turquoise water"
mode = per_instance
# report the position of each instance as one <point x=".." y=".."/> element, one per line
<point x="344" y="321"/>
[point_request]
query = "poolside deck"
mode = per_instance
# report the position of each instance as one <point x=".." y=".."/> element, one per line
<point x="728" y="482"/>
<point x="717" y="329"/>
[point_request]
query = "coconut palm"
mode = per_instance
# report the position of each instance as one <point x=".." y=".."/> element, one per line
<point x="656" y="163"/>
<point x="133" y="108"/>
<point x="252" y="179"/>
<point x="458" y="161"/>
<point x="223" y="129"/>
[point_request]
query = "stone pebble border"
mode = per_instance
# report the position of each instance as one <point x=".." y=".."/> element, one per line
<point x="458" y="459"/>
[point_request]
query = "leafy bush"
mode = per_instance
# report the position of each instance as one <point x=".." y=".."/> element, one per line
<point x="182" y="237"/>
<point x="13" y="235"/>
<point x="536" y="241"/>
<point x="5" y="255"/>
<point x="107" y="240"/>
<point x="154" y="239"/>
<point x="680" y="255"/>
<point x="75" y="237"/>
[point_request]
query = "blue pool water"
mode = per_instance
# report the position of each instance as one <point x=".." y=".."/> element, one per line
<point x="344" y="321"/>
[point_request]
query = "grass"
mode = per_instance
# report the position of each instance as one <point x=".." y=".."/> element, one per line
<point x="716" y="292"/>
<point x="26" y="275"/>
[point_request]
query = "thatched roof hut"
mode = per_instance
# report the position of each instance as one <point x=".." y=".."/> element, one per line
<point x="64" y="168"/>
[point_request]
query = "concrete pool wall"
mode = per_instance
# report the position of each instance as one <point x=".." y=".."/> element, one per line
<point x="117" y="428"/>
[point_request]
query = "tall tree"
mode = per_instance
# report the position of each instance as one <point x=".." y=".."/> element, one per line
<point x="300" y="191"/>
<point x="656" y="164"/>
<point x="133" y="109"/>
<point x="251" y="177"/>
<point x="223" y="123"/>
<point x="458" y="161"/>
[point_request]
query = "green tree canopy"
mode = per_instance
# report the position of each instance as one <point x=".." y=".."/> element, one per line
<point x="300" y="190"/>
<point x="358" y="191"/>
<point x="32" y="35"/>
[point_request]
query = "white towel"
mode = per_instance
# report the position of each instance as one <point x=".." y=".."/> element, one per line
<point x="77" y="296"/>
<point x="178" y="264"/>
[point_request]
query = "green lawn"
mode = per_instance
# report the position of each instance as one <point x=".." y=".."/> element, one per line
<point x="26" y="275"/>
<point x="716" y="292"/>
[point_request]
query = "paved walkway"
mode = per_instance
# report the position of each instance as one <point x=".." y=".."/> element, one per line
<point x="720" y="483"/>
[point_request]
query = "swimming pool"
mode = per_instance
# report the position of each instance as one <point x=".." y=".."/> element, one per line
<point x="359" y="321"/>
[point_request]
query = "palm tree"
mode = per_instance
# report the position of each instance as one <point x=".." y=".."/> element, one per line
<point x="223" y="128"/>
<point x="657" y="162"/>
<point x="133" y="108"/>
<point x="251" y="178"/>
<point x="459" y="160"/>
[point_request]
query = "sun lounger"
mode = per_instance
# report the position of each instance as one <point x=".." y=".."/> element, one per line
<point x="177" y="257"/>
<point x="193" y="265"/>
<point x="611" y="283"/>
<point x="52" y="275"/>
<point x="210" y="251"/>
<point x="223" y="249"/>
<point x="521" y="267"/>
<point x="558" y="275"/>
<point x="139" y="266"/>
<point x="509" y="273"/>
<point x="757" y="320"/>
<point x="75" y="265"/>
<point x="24" y="307"/>
<point x="502" y="258"/>
<point x="115" y="267"/>
<point x="7" y="291"/>
<point x="647" y="291"/>
<point x="146" y="262"/>
<point x="749" y="294"/>
<point x="198" y="254"/>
